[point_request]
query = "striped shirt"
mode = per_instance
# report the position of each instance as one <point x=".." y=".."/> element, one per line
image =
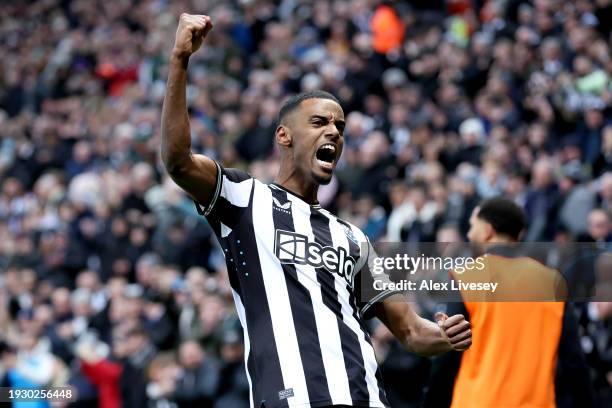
<point x="295" y="269"/>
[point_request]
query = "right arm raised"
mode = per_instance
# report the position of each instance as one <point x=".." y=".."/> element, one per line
<point x="194" y="173"/>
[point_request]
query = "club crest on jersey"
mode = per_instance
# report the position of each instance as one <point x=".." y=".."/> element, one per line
<point x="285" y="208"/>
<point x="349" y="234"/>
<point x="293" y="248"/>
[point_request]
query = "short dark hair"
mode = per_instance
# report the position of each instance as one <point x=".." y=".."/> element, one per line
<point x="504" y="215"/>
<point x="293" y="102"/>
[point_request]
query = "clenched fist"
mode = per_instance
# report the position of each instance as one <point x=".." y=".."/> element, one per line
<point x="456" y="330"/>
<point x="191" y="31"/>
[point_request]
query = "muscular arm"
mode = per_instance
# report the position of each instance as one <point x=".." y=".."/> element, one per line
<point x="195" y="173"/>
<point x="422" y="336"/>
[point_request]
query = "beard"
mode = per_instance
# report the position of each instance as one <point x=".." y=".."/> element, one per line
<point x="322" y="180"/>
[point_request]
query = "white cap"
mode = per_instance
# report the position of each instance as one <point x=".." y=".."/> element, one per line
<point x="472" y="125"/>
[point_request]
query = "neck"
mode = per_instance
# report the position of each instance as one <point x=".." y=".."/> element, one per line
<point x="298" y="184"/>
<point x="499" y="239"/>
<point x="307" y="191"/>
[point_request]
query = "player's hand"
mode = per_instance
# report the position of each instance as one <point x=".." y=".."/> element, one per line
<point x="191" y="31"/>
<point x="456" y="330"/>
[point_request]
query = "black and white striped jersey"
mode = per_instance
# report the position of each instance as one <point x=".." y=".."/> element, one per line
<point x="293" y="269"/>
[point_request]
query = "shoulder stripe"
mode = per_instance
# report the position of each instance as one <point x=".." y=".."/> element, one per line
<point x="217" y="191"/>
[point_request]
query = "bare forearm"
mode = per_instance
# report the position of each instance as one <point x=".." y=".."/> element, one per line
<point x="422" y="336"/>
<point x="176" y="139"/>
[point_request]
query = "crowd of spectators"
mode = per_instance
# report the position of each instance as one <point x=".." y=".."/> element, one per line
<point x="110" y="280"/>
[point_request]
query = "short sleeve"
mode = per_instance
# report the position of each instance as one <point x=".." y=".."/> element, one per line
<point x="231" y="197"/>
<point x="369" y="282"/>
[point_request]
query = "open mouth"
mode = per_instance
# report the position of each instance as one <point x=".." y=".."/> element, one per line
<point x="326" y="155"/>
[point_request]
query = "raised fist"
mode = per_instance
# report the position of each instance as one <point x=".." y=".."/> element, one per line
<point x="191" y="31"/>
<point x="456" y="330"/>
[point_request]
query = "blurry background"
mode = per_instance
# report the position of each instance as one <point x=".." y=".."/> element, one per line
<point x="111" y="281"/>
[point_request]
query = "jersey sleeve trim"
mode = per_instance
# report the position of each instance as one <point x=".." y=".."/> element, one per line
<point x="365" y="311"/>
<point x="206" y="211"/>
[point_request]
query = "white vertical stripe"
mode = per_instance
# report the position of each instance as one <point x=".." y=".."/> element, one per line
<point x="247" y="343"/>
<point x="278" y="298"/>
<point x="340" y="239"/>
<point x="237" y="193"/>
<point x="325" y="319"/>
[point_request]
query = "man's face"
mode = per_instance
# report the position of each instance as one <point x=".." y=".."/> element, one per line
<point x="480" y="230"/>
<point x="598" y="225"/>
<point x="316" y="128"/>
<point x="190" y="355"/>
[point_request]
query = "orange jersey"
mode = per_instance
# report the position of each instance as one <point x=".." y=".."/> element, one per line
<point x="513" y="356"/>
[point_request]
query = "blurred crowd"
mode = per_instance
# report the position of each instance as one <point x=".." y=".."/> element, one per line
<point x="113" y="283"/>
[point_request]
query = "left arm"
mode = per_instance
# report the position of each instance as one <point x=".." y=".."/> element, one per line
<point x="422" y="336"/>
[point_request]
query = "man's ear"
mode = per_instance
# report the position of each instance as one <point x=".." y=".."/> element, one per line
<point x="489" y="231"/>
<point x="283" y="137"/>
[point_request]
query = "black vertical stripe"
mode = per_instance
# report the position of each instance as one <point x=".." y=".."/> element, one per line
<point x="227" y="213"/>
<point x="233" y="276"/>
<point x="354" y="251"/>
<point x="322" y="235"/>
<point x="252" y="371"/>
<point x="382" y="395"/>
<point x="351" y="350"/>
<point x="379" y="380"/>
<point x="263" y="362"/>
<point x="303" y="313"/>
<point x="227" y="243"/>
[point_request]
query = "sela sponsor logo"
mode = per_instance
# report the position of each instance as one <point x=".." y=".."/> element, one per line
<point x="294" y="248"/>
<point x="285" y="208"/>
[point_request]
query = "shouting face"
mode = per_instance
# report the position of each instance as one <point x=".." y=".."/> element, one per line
<point x="313" y="137"/>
